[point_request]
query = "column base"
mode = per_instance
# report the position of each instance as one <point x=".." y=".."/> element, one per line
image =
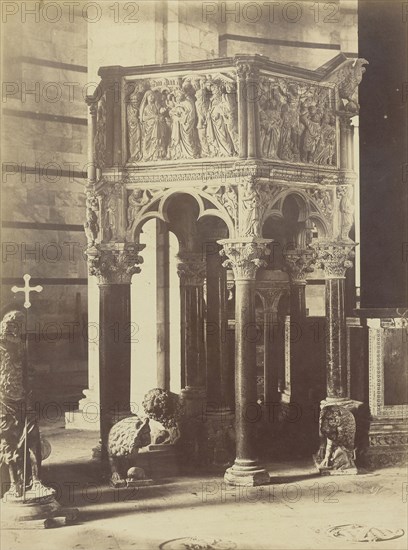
<point x="246" y="472"/>
<point x="86" y="417"/>
<point x="194" y="400"/>
<point x="220" y="437"/>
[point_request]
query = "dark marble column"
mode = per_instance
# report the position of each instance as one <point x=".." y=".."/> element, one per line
<point x="244" y="257"/>
<point x="114" y="267"/>
<point x="334" y="258"/>
<point x="191" y="270"/>
<point x="220" y="375"/>
<point x="270" y="299"/>
<point x="299" y="264"/>
<point x="163" y="306"/>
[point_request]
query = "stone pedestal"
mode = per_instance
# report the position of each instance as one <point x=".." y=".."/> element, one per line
<point x="244" y="257"/>
<point x="388" y="399"/>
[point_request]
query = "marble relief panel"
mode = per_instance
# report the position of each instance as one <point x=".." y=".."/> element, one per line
<point x="182" y="117"/>
<point x="297" y="121"/>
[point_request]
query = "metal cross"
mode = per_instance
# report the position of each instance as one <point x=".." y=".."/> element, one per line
<point x="27" y="289"/>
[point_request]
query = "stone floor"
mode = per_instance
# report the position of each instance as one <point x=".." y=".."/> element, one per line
<point x="295" y="511"/>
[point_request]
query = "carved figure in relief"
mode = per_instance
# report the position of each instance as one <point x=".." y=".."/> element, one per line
<point x="152" y="115"/>
<point x="18" y="422"/>
<point x="91" y="225"/>
<point x="183" y="127"/>
<point x="270" y="123"/>
<point x="202" y="105"/>
<point x="311" y="121"/>
<point x="135" y="132"/>
<point x="110" y="225"/>
<point x="230" y="201"/>
<point x="137" y="199"/>
<point x="326" y="146"/>
<point x="218" y="137"/>
<point x="346" y="214"/>
<point x="230" y="102"/>
<point x="251" y="209"/>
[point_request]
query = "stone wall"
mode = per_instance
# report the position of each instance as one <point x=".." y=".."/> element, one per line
<point x="44" y="154"/>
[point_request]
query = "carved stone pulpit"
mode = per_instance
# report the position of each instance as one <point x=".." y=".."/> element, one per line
<point x="239" y="135"/>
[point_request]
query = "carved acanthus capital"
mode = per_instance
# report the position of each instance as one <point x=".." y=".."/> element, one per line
<point x="335" y="257"/>
<point x="115" y="265"/>
<point x="191" y="268"/>
<point x="244" y="257"/>
<point x="271" y="296"/>
<point x="299" y="262"/>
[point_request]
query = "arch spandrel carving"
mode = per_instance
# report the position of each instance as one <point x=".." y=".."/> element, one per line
<point x="194" y="128"/>
<point x="144" y="204"/>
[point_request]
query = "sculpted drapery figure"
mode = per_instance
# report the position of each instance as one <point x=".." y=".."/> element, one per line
<point x="202" y="104"/>
<point x="218" y="136"/>
<point x="251" y="209"/>
<point x="135" y="132"/>
<point x="326" y="146"/>
<point x="154" y="127"/>
<point x="346" y="214"/>
<point x="230" y="113"/>
<point x="183" y="128"/>
<point x="18" y="424"/>
<point x="137" y="199"/>
<point x="270" y="123"/>
<point x="311" y="121"/>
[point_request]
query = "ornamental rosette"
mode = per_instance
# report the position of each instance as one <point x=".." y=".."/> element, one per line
<point x="299" y="262"/>
<point x="334" y="257"/>
<point x="245" y="257"/>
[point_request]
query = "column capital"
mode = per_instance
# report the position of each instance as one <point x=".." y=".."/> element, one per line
<point x="191" y="268"/>
<point x="244" y="256"/>
<point x="115" y="265"/>
<point x="299" y="262"/>
<point x="335" y="257"/>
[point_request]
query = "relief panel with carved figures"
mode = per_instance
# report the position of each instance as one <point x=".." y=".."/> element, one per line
<point x="297" y="121"/>
<point x="182" y="117"/>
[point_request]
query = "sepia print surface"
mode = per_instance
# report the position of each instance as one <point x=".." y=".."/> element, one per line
<point x="203" y="340"/>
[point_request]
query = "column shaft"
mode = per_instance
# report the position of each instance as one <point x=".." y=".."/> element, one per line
<point x="336" y="351"/>
<point x="114" y="353"/>
<point x="220" y="377"/>
<point x="163" y="306"/>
